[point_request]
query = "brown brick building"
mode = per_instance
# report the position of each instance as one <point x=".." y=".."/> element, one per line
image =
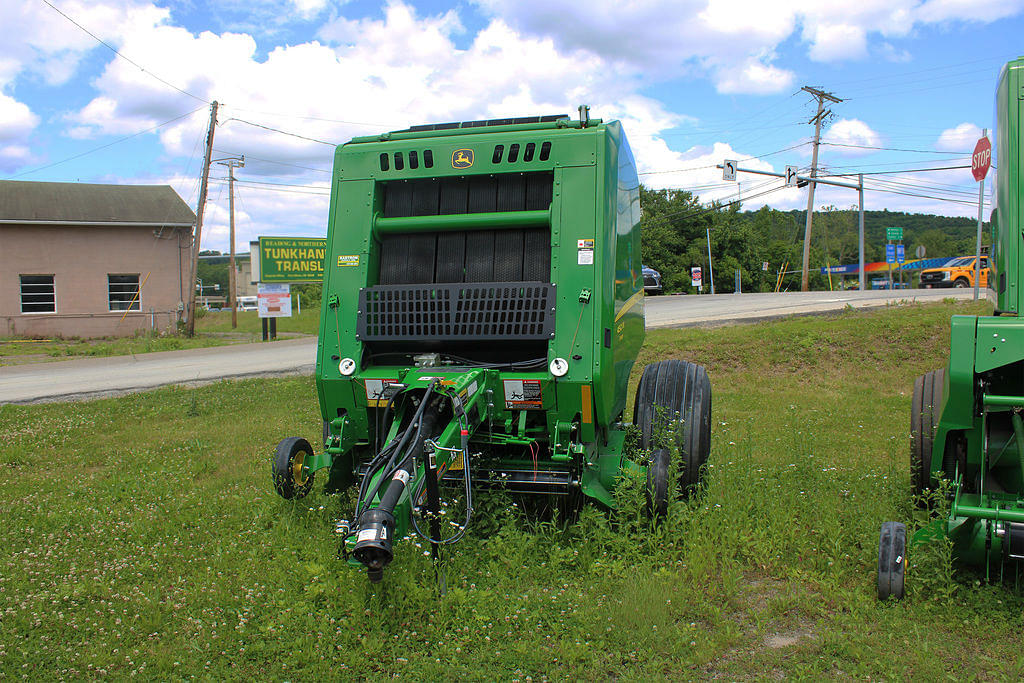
<point x="92" y="260"/>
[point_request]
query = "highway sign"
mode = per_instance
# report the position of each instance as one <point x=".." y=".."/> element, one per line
<point x="791" y="179"/>
<point x="981" y="159"/>
<point x="901" y="255"/>
<point x="292" y="259"/>
<point x="890" y="253"/>
<point x="729" y="169"/>
<point x="894" y="234"/>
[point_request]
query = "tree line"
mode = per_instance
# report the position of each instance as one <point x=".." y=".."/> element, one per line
<point x="675" y="228"/>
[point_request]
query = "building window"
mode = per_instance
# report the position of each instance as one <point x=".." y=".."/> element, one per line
<point x="38" y="294"/>
<point x="123" y="292"/>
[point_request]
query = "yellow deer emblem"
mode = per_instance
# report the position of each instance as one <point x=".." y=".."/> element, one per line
<point x="462" y="158"/>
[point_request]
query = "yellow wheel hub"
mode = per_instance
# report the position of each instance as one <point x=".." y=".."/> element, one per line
<point x="298" y="470"/>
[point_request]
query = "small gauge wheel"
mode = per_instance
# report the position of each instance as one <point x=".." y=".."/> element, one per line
<point x="292" y="478"/>
<point x="892" y="560"/>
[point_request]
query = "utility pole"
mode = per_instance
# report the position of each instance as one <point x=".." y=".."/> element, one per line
<point x="190" y="325"/>
<point x="822" y="96"/>
<point x="232" y="163"/>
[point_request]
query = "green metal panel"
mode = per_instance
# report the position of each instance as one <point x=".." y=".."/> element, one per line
<point x="1006" y="242"/>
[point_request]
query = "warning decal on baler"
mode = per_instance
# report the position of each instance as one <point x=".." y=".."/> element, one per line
<point x="523" y="394"/>
<point x="375" y="395"/>
<point x="585" y="252"/>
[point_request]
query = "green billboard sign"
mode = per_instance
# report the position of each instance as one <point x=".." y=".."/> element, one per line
<point x="292" y="259"/>
<point x="894" y="233"/>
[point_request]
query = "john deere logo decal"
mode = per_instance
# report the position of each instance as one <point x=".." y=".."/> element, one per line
<point x="462" y="158"/>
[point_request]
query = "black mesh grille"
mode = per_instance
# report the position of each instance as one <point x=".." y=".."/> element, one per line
<point x="468" y="194"/>
<point x="509" y="255"/>
<point x="500" y="310"/>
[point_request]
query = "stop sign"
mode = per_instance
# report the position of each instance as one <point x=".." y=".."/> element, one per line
<point x="981" y="159"/>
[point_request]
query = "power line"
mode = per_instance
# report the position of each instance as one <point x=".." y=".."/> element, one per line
<point x="902" y="170"/>
<point x="894" y="149"/>
<point x="925" y="196"/>
<point x="267" y="182"/>
<point x="699" y="168"/>
<point x="317" y="118"/>
<point x="278" y="189"/>
<point x="282" y="132"/>
<point x="109" y="144"/>
<point x="279" y="163"/>
<point x="116" y="52"/>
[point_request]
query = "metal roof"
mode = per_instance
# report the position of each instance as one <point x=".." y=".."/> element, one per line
<point x="24" y="202"/>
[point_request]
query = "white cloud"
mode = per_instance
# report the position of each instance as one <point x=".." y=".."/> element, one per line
<point x="16" y="123"/>
<point x="16" y="119"/>
<point x="309" y="8"/>
<point x="835" y="42"/>
<point x="967" y="10"/>
<point x="960" y="138"/>
<point x="721" y="38"/>
<point x="753" y="77"/>
<point x="851" y="132"/>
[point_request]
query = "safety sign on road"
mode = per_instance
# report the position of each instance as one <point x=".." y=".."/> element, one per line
<point x="729" y="169"/>
<point x="890" y="253"/>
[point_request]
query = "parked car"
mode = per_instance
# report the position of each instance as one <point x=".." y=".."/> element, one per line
<point x="247" y="303"/>
<point x="957" y="273"/>
<point x="884" y="283"/>
<point x="652" y="281"/>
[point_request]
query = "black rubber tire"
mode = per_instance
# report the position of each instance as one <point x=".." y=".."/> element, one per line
<point x="657" y="484"/>
<point x="892" y="560"/>
<point x="288" y="458"/>
<point x="925" y="409"/>
<point x="961" y="283"/>
<point x="683" y="393"/>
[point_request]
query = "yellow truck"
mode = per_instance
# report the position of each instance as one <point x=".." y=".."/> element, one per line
<point x="957" y="273"/>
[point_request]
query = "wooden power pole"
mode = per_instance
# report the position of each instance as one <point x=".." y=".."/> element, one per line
<point x="190" y="324"/>
<point x="232" y="163"/>
<point x="822" y="96"/>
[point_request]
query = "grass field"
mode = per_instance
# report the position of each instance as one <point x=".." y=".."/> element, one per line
<point x="14" y="351"/>
<point x="142" y="537"/>
<point x="212" y="329"/>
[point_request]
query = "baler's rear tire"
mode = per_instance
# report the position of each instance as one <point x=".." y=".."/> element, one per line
<point x="290" y="478"/>
<point x="892" y="560"/>
<point x="925" y="408"/>
<point x="657" y="484"/>
<point x="675" y="395"/>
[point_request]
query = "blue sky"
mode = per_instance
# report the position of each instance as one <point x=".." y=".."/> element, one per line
<point x="694" y="82"/>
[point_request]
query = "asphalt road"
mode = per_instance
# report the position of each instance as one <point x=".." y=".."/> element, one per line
<point x="681" y="311"/>
<point x="98" y="377"/>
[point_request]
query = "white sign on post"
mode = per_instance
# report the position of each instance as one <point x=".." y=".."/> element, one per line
<point x="729" y="169"/>
<point x="791" y="179"/>
<point x="274" y="300"/>
<point x="695" y="276"/>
